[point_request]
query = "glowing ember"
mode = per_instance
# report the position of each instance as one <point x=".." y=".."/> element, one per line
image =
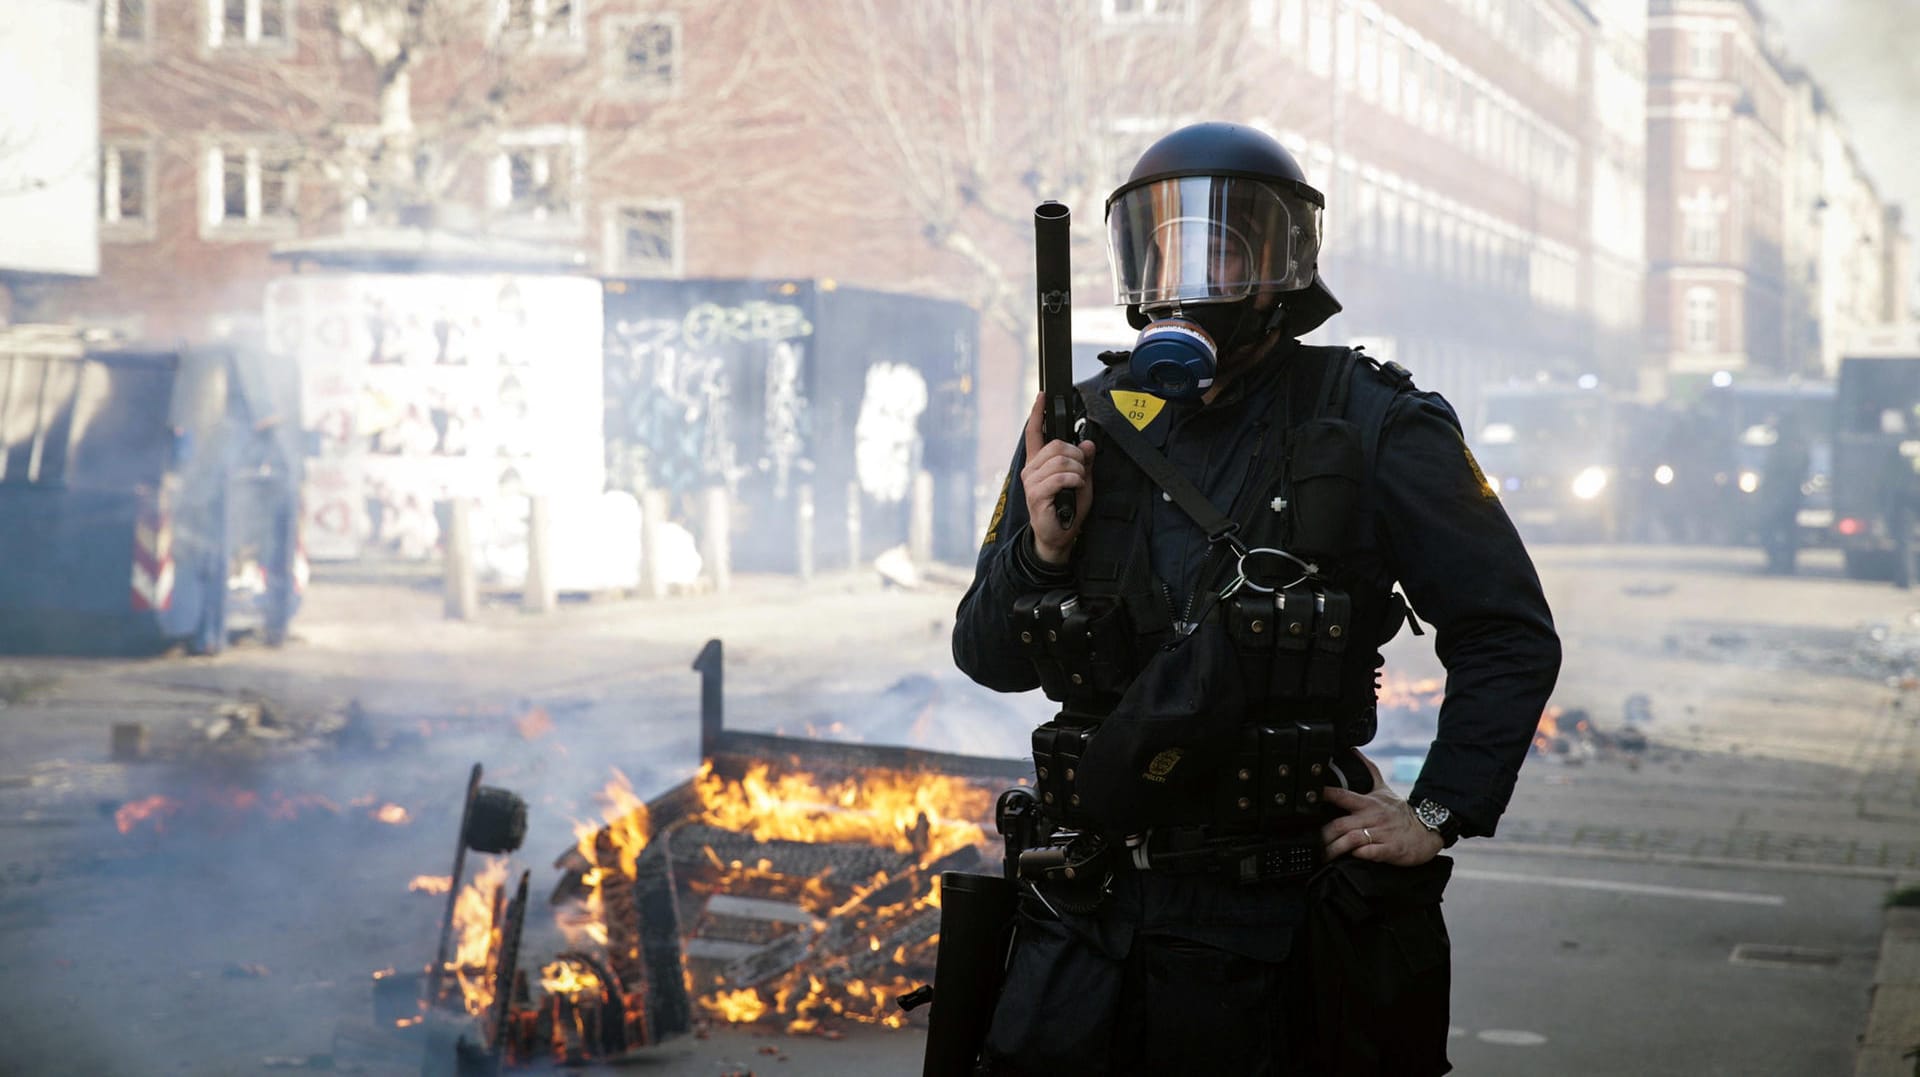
<point x="430" y="884"/>
<point x="392" y="815"/>
<point x="1399" y="693"/>
<point x="219" y="807"/>
<point x="569" y="978"/>
<point x="408" y="1022"/>
<point x="736" y="1007"/>
<point x="156" y="808"/>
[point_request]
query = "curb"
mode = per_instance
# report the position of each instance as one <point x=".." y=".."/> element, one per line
<point x="1893" y="1013"/>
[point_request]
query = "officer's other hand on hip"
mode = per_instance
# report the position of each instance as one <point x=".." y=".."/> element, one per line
<point x="1053" y="466"/>
<point x="1378" y="826"/>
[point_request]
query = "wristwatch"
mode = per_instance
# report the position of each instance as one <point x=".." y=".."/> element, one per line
<point x="1438" y="818"/>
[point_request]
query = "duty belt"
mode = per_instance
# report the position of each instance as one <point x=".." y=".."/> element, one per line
<point x="1245" y="858"/>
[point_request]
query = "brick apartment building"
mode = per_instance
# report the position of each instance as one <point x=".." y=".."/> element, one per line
<point x="1483" y="161"/>
<point x="1768" y="245"/>
<point x="1499" y="172"/>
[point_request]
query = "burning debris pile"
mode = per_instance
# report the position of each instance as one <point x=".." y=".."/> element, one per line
<point x="798" y="898"/>
<point x="788" y="882"/>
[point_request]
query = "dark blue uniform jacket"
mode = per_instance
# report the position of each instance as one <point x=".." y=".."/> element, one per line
<point x="1440" y="533"/>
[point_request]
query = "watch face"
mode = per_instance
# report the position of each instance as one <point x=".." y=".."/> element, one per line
<point x="1432" y="814"/>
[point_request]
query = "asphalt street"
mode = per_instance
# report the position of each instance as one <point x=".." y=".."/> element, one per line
<point x="1703" y="900"/>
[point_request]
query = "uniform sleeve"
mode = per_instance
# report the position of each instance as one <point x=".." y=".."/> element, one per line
<point x="1466" y="572"/>
<point x="983" y="643"/>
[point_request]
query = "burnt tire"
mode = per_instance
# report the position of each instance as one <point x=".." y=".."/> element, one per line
<point x="497" y="823"/>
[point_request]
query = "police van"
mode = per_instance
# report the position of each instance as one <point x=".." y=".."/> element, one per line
<point x="148" y="496"/>
<point x="1876" y="455"/>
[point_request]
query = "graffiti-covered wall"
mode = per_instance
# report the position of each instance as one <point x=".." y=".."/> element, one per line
<point x="420" y="387"/>
<point x="767" y="386"/>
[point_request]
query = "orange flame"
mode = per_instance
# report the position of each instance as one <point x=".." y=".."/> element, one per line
<point x="926" y="816"/>
<point x="879" y="808"/>
<point x="1548" y="729"/>
<point x="477" y="936"/>
<point x="625" y="833"/>
<point x="568" y="978"/>
<point x="430" y="884"/>
<point x="392" y="815"/>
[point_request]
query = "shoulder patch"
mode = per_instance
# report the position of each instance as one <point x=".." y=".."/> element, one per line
<point x="1479" y="476"/>
<point x="999" y="512"/>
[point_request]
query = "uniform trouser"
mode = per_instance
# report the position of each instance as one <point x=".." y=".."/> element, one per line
<point x="1169" y="1006"/>
<point x="1362" y="991"/>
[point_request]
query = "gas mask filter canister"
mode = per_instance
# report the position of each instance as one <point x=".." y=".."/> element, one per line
<point x="1174" y="358"/>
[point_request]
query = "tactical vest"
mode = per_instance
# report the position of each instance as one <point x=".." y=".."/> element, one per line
<point x="1304" y="645"/>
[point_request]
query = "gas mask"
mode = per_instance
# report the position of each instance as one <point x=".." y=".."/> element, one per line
<point x="1177" y="355"/>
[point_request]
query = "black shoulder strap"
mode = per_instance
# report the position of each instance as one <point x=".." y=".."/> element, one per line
<point x="1158" y="468"/>
<point x="1335" y="385"/>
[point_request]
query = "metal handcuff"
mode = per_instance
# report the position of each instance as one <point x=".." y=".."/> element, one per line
<point x="1241" y="579"/>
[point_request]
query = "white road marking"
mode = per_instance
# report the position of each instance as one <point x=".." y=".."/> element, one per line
<point x="1731" y="897"/>
<point x="1510" y="1037"/>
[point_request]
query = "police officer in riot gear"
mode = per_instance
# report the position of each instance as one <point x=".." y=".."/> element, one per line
<point x="1224" y="882"/>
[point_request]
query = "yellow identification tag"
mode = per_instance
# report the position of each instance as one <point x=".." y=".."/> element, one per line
<point x="1139" y="408"/>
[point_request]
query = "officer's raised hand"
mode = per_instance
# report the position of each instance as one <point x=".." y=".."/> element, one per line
<point x="1053" y="466"/>
<point x="1378" y="826"/>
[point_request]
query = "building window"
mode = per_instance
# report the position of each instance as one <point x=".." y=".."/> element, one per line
<point x="126" y="190"/>
<point x="646" y="55"/>
<point x="241" y="23"/>
<point x="1146" y="10"/>
<point x="1705" y="143"/>
<point x="1700" y="234"/>
<point x="1320" y="37"/>
<point x="123" y="22"/>
<point x="1369" y="56"/>
<point x="1344" y="45"/>
<point x="536" y="177"/>
<point x="644" y="239"/>
<point x="1703" y="54"/>
<point x="1390" y="71"/>
<point x="1703" y="320"/>
<point x="1291" y="14"/>
<point x="249" y="187"/>
<point x="538" y="21"/>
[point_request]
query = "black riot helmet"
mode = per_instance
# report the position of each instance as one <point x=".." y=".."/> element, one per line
<point x="1216" y="213"/>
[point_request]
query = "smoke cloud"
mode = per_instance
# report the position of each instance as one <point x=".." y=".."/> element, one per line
<point x="1862" y="53"/>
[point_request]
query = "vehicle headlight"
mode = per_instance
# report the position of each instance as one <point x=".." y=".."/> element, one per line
<point x="1749" y="481"/>
<point x="1663" y="475"/>
<point x="1588" y="484"/>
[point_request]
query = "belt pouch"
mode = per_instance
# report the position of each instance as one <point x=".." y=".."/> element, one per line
<point x="1280" y="803"/>
<point x="1332" y="621"/>
<point x="1061" y="746"/>
<point x="1237" y="805"/>
<point x="1046" y="764"/>
<point x="1317" y="743"/>
<point x="1253" y="623"/>
<point x="1292" y="643"/>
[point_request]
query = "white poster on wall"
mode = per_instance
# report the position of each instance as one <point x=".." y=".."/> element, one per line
<point x="418" y="388"/>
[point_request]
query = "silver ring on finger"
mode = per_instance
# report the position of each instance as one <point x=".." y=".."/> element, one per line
<point x="1369" y="833"/>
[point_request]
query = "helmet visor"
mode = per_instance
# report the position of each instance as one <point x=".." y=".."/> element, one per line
<point x="1201" y="239"/>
